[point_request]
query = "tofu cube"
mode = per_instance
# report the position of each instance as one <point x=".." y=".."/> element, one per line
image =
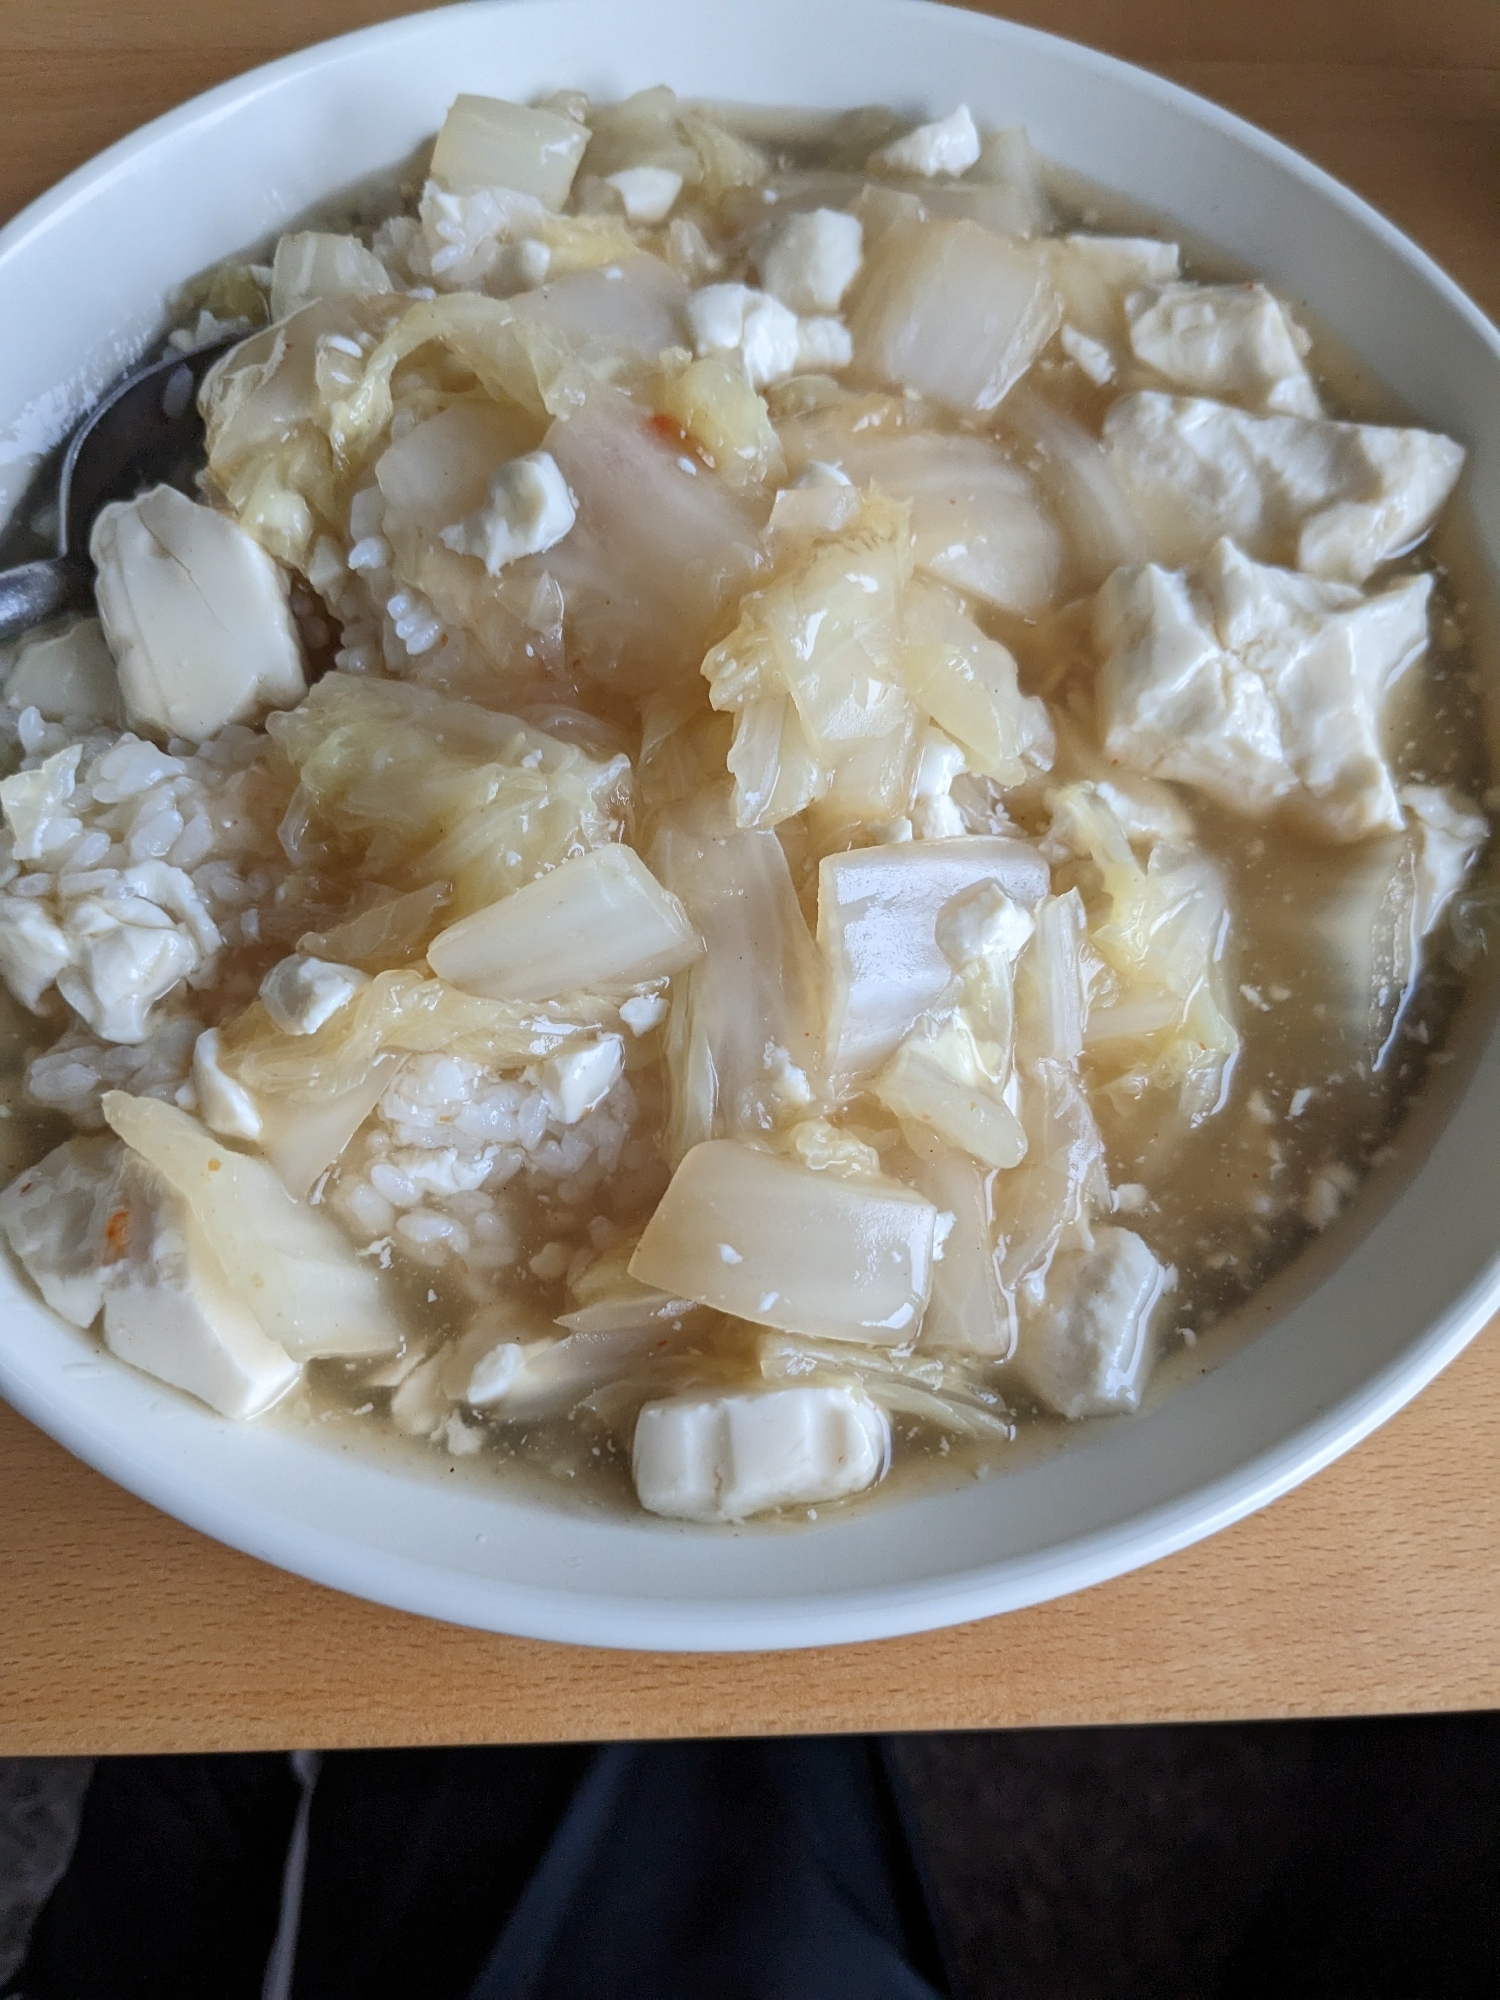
<point x="49" y="1216"/>
<point x="1263" y="688"/>
<point x="726" y="1457"/>
<point x="196" y="616"/>
<point x="810" y="260"/>
<point x="1087" y="1350"/>
<point x="168" y="1309"/>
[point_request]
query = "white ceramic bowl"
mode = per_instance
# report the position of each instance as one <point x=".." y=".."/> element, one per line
<point x="1369" y="1317"/>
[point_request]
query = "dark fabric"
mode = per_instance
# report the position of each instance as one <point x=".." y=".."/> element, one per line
<point x="174" y="1889"/>
<point x="741" y="1871"/>
<point x="772" y="1871"/>
<point x="1388" y="1886"/>
<point x="415" y="1859"/>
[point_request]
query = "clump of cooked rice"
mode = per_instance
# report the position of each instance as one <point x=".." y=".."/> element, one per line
<point x="460" y="1166"/>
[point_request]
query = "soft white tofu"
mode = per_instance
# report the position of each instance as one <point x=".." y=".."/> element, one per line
<point x="646" y="193"/>
<point x="196" y="615"/>
<point x="953" y="311"/>
<point x="223" y="1102"/>
<point x="1261" y="687"/>
<point x="1087" y="1349"/>
<point x="70" y="675"/>
<point x="722" y="318"/>
<point x="529" y="510"/>
<point x="878" y="910"/>
<point x="167" y="1306"/>
<point x="945" y="146"/>
<point x="810" y="260"/>
<point x="50" y="1218"/>
<point x="303" y="994"/>
<point x="1094" y="275"/>
<point x="600" y="922"/>
<point x="34" y="949"/>
<point x="307" y="1286"/>
<point x="577" y="1079"/>
<point x="1449" y="831"/>
<point x="1333" y="499"/>
<point x="1224" y="340"/>
<point x="762" y="1237"/>
<point x="1091" y="355"/>
<point x="723" y="1458"/>
<point x="313" y="264"/>
<point x="824" y="346"/>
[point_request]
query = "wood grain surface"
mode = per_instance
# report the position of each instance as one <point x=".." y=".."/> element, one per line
<point x="1374" y="1588"/>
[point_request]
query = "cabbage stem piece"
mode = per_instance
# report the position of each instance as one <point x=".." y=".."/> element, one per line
<point x="936" y="1079"/>
<point x="759" y="1236"/>
<point x="288" y="1264"/>
<point x="954" y="311"/>
<point x="600" y="921"/>
<point x="878" y="909"/>
<point x="487" y="142"/>
<point x="744" y="1036"/>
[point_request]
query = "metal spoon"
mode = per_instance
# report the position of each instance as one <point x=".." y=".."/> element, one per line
<point x="139" y="431"/>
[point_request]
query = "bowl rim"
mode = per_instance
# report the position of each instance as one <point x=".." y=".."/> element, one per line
<point x="761" y="1623"/>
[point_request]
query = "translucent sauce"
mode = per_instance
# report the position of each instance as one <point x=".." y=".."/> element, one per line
<point x="1336" y="1035"/>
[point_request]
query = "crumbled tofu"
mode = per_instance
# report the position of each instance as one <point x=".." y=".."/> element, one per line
<point x="1224" y="340"/>
<point x="947" y="146"/>
<point x="196" y="616"/>
<point x="939" y="762"/>
<point x="577" y="1079"/>
<point x="723" y="317"/>
<point x="224" y="1104"/>
<point x="810" y="260"/>
<point x="643" y="1012"/>
<point x="646" y="193"/>
<point x="1087" y="1350"/>
<point x="301" y="994"/>
<point x="122" y="959"/>
<point x="34" y="949"/>
<point x="724" y="1458"/>
<point x="1092" y="356"/>
<point x="33" y="803"/>
<point x="167" y="1306"/>
<point x="50" y="1215"/>
<point x="1258" y="686"/>
<point x="1327" y="1192"/>
<point x="1333" y="499"/>
<point x="820" y="1253"/>
<point x="1449" y="831"/>
<point x="494" y="1373"/>
<point x="68" y="676"/>
<point x="529" y="510"/>
<point x="823" y="346"/>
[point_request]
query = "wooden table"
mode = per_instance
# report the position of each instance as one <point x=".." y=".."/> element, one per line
<point x="1375" y="1587"/>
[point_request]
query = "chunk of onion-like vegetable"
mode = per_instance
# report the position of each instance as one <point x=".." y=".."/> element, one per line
<point x="601" y="921"/>
<point x="780" y="1245"/>
<point x="954" y="311"/>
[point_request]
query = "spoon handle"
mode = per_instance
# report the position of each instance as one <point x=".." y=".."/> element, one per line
<point x="37" y="591"/>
